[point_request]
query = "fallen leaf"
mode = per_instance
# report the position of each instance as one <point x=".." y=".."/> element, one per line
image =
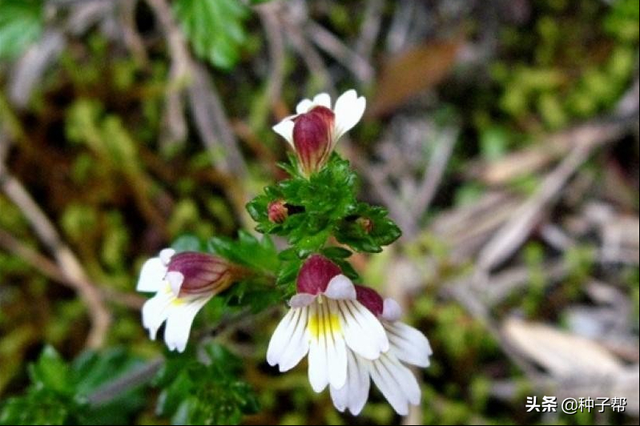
<point x="412" y="71"/>
<point x="562" y="354"/>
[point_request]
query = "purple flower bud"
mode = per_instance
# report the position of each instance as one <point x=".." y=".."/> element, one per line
<point x="277" y="211"/>
<point x="193" y="273"/>
<point x="315" y="274"/>
<point x="313" y="138"/>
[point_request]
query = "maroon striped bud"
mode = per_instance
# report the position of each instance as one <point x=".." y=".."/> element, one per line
<point x="313" y="138"/>
<point x="193" y="273"/>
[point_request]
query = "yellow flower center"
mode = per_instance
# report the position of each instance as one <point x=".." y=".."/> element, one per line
<point x="323" y="323"/>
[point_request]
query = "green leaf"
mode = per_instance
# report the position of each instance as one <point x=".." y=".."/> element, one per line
<point x="59" y="392"/>
<point x="336" y="253"/>
<point x="40" y="407"/>
<point x="214" y="28"/>
<point x="286" y="280"/>
<point x="20" y="25"/>
<point x="50" y="371"/>
<point x="253" y="294"/>
<point x="260" y="255"/>
<point x="210" y="393"/>
<point x="368" y="229"/>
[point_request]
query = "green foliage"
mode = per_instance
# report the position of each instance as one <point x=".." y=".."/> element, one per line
<point x="622" y="22"/>
<point x="214" y="28"/>
<point x="368" y="230"/>
<point x="576" y="63"/>
<point x="59" y="391"/>
<point x="322" y="206"/>
<point x="247" y="250"/>
<point x="210" y="393"/>
<point x="20" y="25"/>
<point x="187" y="242"/>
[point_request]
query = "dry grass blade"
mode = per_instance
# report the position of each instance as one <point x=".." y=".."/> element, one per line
<point x="523" y="220"/>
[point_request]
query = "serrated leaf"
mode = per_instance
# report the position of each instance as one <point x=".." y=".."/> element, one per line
<point x="215" y="29"/>
<point x="260" y="255"/>
<point x="50" y="371"/>
<point x="210" y="393"/>
<point x="378" y="231"/>
<point x="59" y="391"/>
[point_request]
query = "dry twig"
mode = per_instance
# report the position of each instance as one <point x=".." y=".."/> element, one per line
<point x="69" y="264"/>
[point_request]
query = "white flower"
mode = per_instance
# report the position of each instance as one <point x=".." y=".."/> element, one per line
<point x="183" y="284"/>
<point x="389" y="372"/>
<point x="327" y="322"/>
<point x="316" y="128"/>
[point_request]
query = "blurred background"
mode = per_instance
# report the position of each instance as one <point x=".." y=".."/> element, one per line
<point x="502" y="135"/>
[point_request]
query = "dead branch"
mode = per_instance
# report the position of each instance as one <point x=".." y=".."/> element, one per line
<point x="51" y="270"/>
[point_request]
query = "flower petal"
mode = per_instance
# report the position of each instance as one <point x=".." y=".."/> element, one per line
<point x="389" y="387"/>
<point x="289" y="343"/>
<point x="322" y="99"/>
<point x="396" y="382"/>
<point x="391" y="310"/>
<point x="348" y="111"/>
<point x="151" y="275"/>
<point x="341" y="288"/>
<point x="353" y="395"/>
<point x="301" y="300"/>
<point x="318" y="369"/>
<point x="156" y="310"/>
<point x="304" y="106"/>
<point x="175" y="280"/>
<point x="281" y="336"/>
<point x="298" y="345"/>
<point x="166" y="255"/>
<point x="408" y="344"/>
<point x="336" y="347"/>
<point x="327" y="350"/>
<point x="362" y="331"/>
<point x="176" y="333"/>
<point x="285" y="129"/>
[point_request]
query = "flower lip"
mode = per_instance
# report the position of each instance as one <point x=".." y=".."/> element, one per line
<point x="315" y="275"/>
<point x="370" y="299"/>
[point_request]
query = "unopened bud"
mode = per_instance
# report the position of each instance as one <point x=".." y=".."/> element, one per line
<point x="313" y="138"/>
<point x="365" y="223"/>
<point x="277" y="211"/>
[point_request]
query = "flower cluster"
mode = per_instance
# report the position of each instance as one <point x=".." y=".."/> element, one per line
<point x="349" y="333"/>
